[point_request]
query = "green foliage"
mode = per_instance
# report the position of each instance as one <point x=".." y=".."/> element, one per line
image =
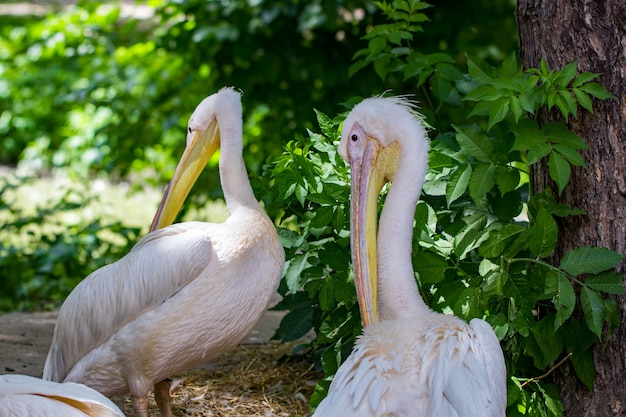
<point x="483" y="241"/>
<point x="47" y="251"/>
<point x="79" y="93"/>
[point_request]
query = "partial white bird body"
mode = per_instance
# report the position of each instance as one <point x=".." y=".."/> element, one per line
<point x="409" y="360"/>
<point x="426" y="366"/>
<point x="186" y="292"/>
<point x="26" y="396"/>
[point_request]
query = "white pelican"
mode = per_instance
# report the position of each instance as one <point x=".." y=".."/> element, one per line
<point x="410" y="360"/>
<point x="26" y="396"/>
<point x="185" y="293"/>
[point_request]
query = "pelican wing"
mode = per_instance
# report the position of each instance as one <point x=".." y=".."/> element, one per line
<point x="22" y="395"/>
<point x="159" y="266"/>
<point x="360" y="386"/>
<point x="468" y="376"/>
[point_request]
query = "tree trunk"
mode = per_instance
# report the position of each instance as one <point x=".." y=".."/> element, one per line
<point x="594" y="34"/>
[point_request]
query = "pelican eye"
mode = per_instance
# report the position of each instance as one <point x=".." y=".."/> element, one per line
<point x="190" y="129"/>
<point x="354" y="137"/>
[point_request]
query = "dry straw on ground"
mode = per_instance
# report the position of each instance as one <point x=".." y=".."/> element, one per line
<point x="251" y="380"/>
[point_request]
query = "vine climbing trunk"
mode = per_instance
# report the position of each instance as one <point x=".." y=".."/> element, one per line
<point x="594" y="34"/>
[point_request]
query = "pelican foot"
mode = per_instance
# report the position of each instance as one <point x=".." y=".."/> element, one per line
<point x="162" y="397"/>
<point x="140" y="406"/>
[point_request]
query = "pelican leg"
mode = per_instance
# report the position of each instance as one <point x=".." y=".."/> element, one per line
<point x="162" y="397"/>
<point x="140" y="406"/>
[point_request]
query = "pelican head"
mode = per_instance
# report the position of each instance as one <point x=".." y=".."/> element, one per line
<point x="380" y="135"/>
<point x="203" y="140"/>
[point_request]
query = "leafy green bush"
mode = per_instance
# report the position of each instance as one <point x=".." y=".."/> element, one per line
<point x="483" y="240"/>
<point x="46" y="251"/>
<point x="85" y="91"/>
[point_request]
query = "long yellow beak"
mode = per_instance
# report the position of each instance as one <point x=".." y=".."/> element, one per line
<point x="363" y="226"/>
<point x="370" y="171"/>
<point x="201" y="145"/>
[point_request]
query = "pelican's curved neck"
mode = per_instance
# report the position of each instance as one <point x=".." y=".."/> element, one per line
<point x="397" y="290"/>
<point x="233" y="174"/>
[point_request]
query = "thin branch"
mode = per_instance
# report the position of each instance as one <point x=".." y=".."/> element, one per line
<point x="552" y="369"/>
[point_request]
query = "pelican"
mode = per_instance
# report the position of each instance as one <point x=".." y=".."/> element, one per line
<point x="186" y="292"/>
<point x="26" y="396"/>
<point x="409" y="360"/>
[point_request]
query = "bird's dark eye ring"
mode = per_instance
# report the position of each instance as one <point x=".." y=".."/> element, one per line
<point x="190" y="129"/>
<point x="354" y="137"/>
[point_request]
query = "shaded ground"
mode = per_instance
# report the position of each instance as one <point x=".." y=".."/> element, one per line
<point x="258" y="378"/>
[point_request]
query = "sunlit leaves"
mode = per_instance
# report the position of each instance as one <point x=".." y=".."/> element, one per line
<point x="475" y="143"/>
<point x="482" y="240"/>
<point x="458" y="182"/>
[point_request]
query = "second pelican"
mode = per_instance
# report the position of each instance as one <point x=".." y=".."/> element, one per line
<point x="410" y="360"/>
<point x="186" y="292"/>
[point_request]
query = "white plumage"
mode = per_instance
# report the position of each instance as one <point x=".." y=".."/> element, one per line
<point x="409" y="360"/>
<point x="26" y="396"/>
<point x="185" y="293"/>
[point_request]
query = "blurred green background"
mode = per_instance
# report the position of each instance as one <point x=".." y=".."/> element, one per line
<point x="95" y="98"/>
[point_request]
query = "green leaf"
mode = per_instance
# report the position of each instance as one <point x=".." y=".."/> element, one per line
<point x="482" y="181"/>
<point x="584" y="366"/>
<point x="527" y="135"/>
<point x="457" y="183"/>
<point x="326" y="294"/>
<point x="537" y="152"/>
<point x="527" y="101"/>
<point x="499" y="110"/>
<point x="516" y="108"/>
<point x="593" y="307"/>
<point x="551" y="398"/>
<point x="321" y="198"/>
<point x="430" y="267"/>
<point x="567" y="74"/>
<point x="470" y="236"/>
<point x="544" y="345"/>
<point x="589" y="260"/>
<point x="559" y="170"/>
<point x="323" y="217"/>
<point x="289" y="238"/>
<point x="294" y="325"/>
<point x="474" y="142"/>
<point x="583" y="99"/>
<point x="609" y="282"/>
<point x="585" y="77"/>
<point x="507" y="179"/>
<point x="326" y="125"/>
<point x="498" y="240"/>
<point x="559" y="133"/>
<point x="293" y="273"/>
<point x="376" y="45"/>
<point x="596" y="90"/>
<point x="508" y="85"/>
<point x="510" y="66"/>
<point x="544" y="234"/>
<point x="301" y="193"/>
<point x="357" y="66"/>
<point x="564" y="299"/>
<point x="578" y="341"/>
<point x="571" y="154"/>
<point x="339" y="218"/>
<point x="484" y="93"/>
<point x="480" y="70"/>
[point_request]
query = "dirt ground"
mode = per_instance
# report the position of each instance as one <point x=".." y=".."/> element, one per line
<point x="258" y="378"/>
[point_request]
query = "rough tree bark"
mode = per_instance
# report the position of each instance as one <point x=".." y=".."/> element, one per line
<point x="593" y="32"/>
